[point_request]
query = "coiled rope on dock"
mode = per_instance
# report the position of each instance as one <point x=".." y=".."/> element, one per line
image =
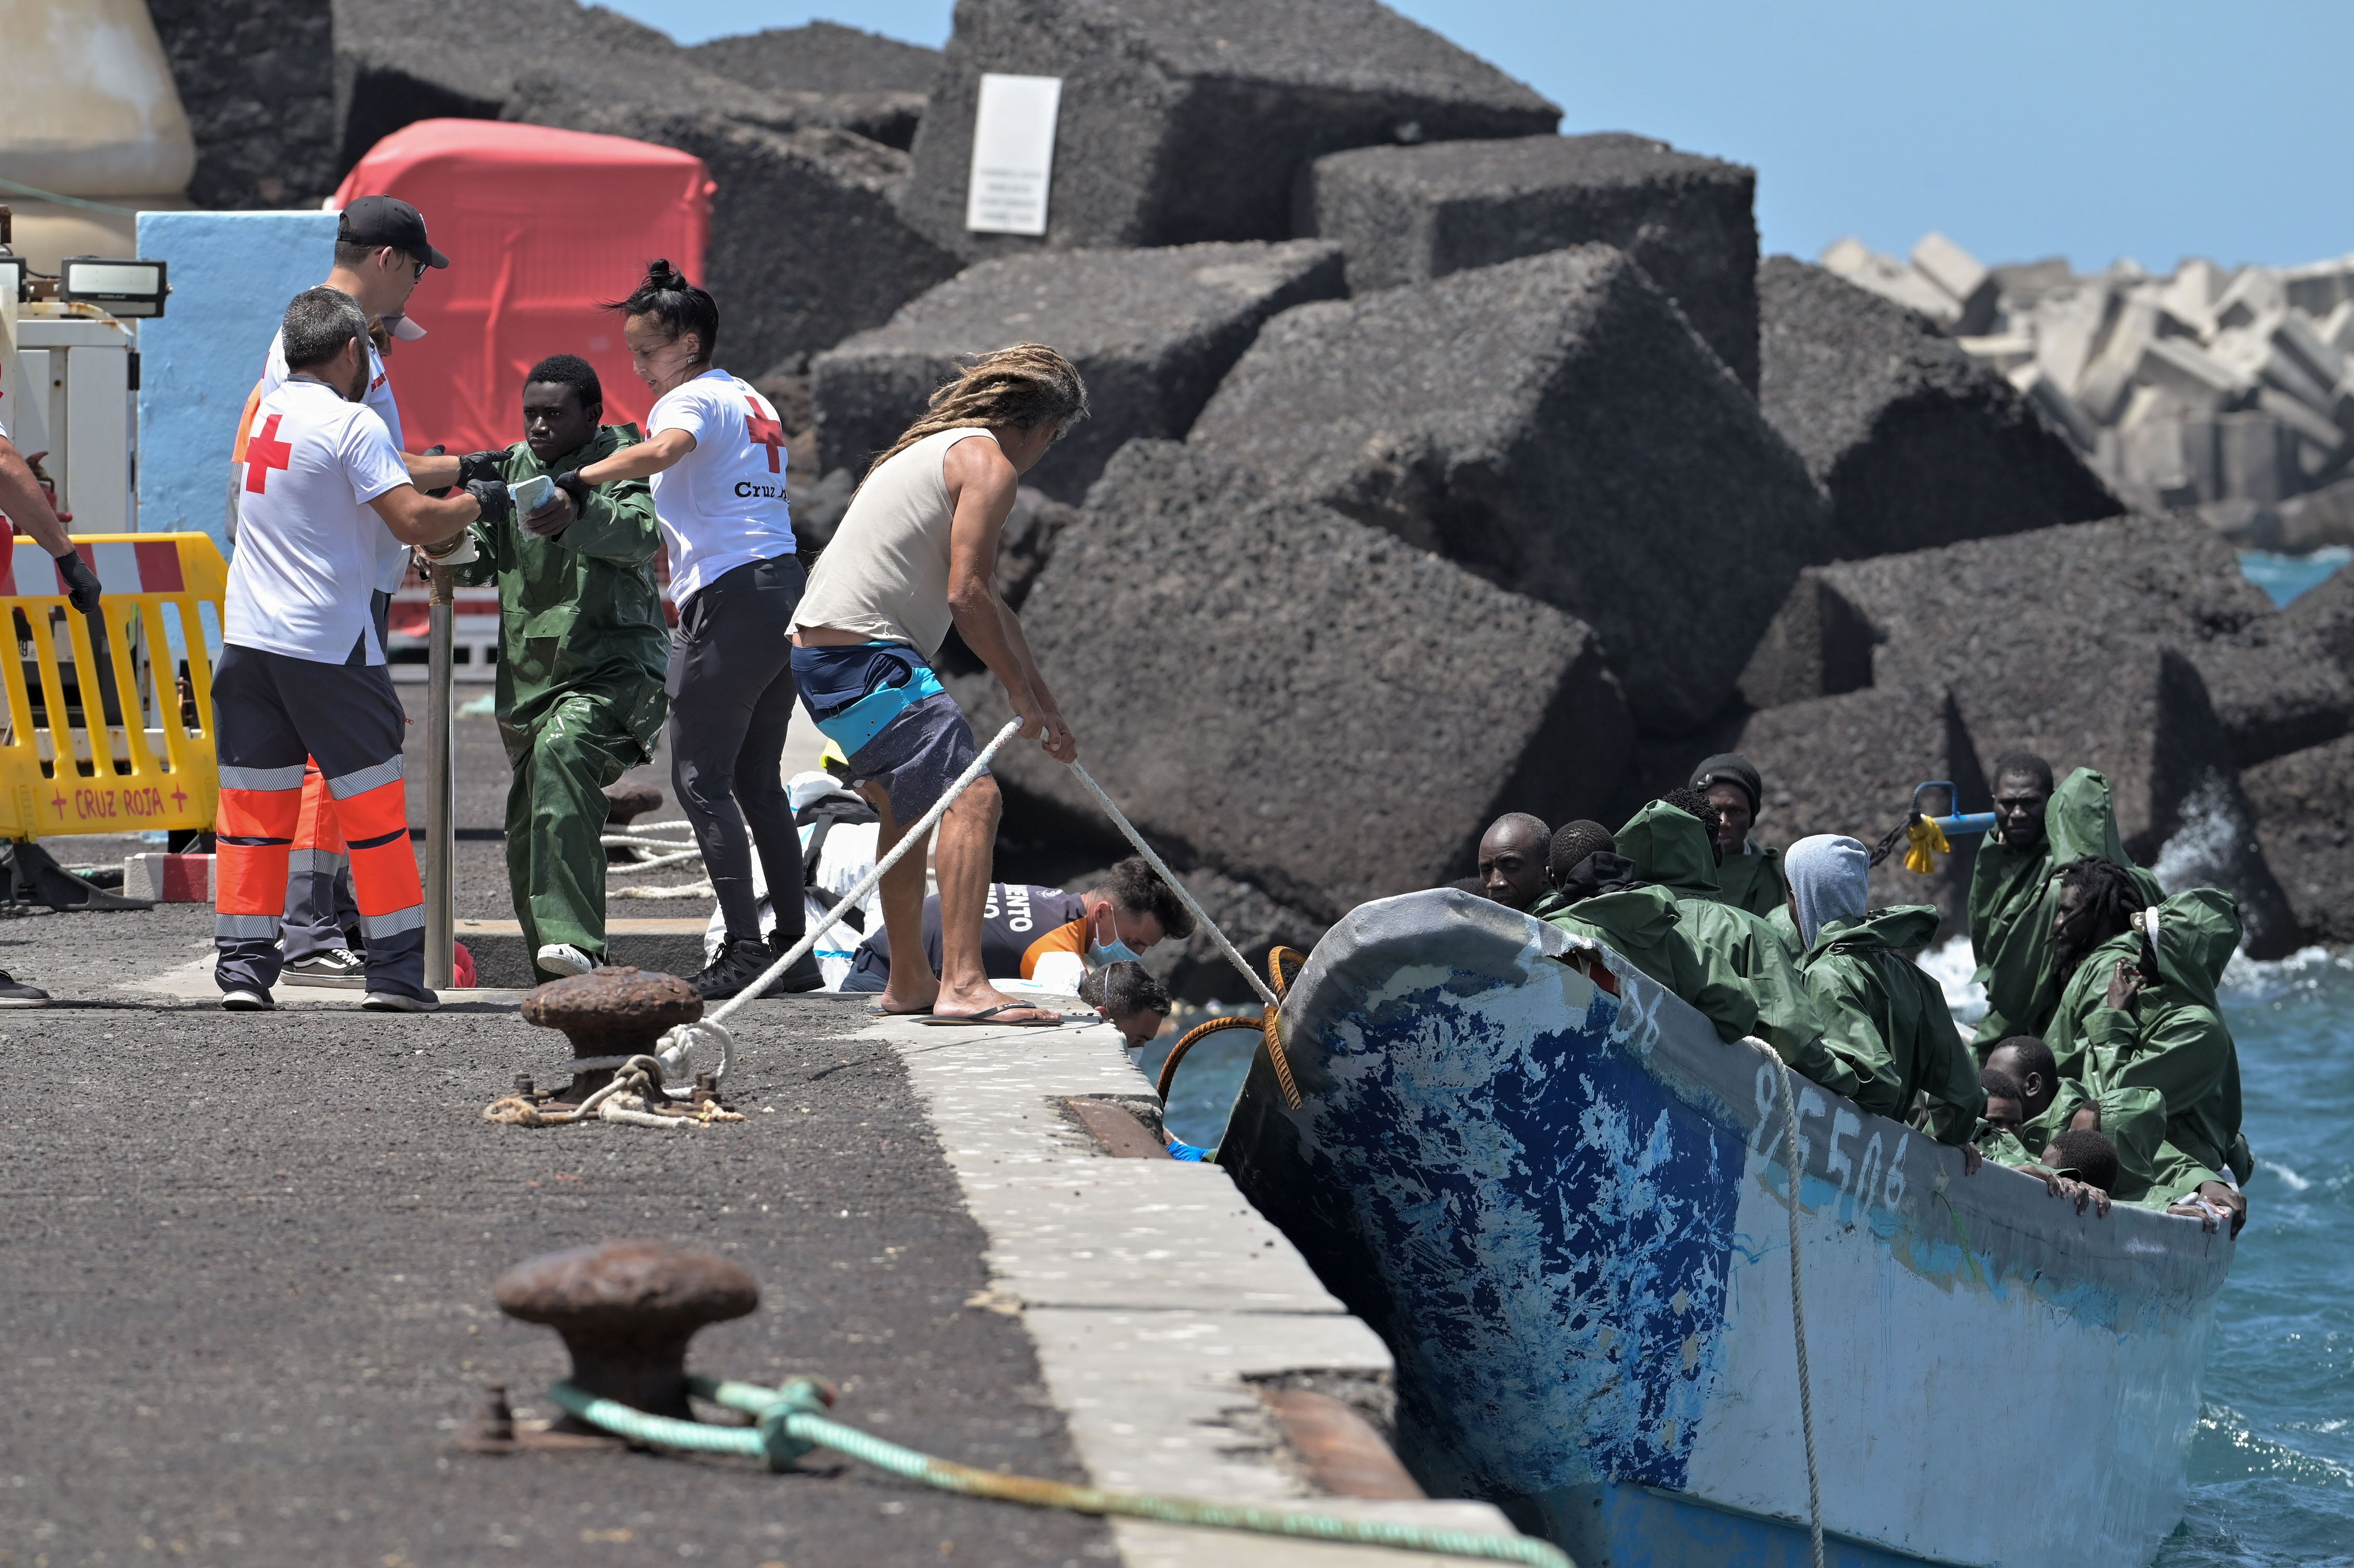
<point x="790" y="1421"/>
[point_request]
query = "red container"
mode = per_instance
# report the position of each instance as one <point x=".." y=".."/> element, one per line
<point x="539" y="225"/>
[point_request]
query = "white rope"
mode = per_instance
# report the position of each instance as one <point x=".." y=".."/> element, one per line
<point x="654" y="863"/>
<point x="1182" y="892"/>
<point x="1798" y="1308"/>
<point x="683" y="890"/>
<point x="676" y="1044"/>
<point x="639" y="840"/>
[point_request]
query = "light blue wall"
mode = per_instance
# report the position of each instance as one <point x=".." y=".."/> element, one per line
<point x="232" y="273"/>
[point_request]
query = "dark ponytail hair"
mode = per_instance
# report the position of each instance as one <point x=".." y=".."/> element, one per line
<point x="679" y="305"/>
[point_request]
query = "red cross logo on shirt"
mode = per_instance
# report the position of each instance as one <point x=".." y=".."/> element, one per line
<point x="263" y="453"/>
<point x="765" y="431"/>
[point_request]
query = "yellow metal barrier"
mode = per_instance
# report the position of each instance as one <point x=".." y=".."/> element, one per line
<point x="151" y="769"/>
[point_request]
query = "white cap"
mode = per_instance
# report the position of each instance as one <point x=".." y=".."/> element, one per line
<point x="805" y="789"/>
<point x="404" y="327"/>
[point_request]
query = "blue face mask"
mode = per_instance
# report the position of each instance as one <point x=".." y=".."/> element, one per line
<point x="1112" y="952"/>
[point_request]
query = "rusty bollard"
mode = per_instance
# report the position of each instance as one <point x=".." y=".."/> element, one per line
<point x="625" y="802"/>
<point x="611" y="1012"/>
<point x="626" y="1311"/>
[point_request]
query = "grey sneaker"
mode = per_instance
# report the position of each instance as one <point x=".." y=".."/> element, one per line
<point x="394" y="1001"/>
<point x="245" y="1002"/>
<point x="15" y="993"/>
<point x="564" y="959"/>
<point x="342" y="969"/>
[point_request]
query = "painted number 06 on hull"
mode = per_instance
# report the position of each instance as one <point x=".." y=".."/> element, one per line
<point x="1856" y="1172"/>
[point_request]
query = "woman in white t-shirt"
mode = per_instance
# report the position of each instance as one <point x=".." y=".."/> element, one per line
<point x="715" y="452"/>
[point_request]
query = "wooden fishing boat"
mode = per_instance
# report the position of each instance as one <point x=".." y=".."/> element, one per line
<point x="1563" y="1202"/>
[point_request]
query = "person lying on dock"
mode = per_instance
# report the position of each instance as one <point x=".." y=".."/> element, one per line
<point x="1598" y="894"/>
<point x="2039" y="832"/>
<point x="1749" y="875"/>
<point x="1512" y="859"/>
<point x="1882" y="1014"/>
<point x="1128" y="999"/>
<point x="1668" y="843"/>
<point x="1046" y="935"/>
<point x="2137" y="1011"/>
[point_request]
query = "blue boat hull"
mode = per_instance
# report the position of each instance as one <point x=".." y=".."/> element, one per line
<point x="1563" y="1202"/>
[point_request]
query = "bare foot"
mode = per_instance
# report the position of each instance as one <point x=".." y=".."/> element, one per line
<point x="902" y="1002"/>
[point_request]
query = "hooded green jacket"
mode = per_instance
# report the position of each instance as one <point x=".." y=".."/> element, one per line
<point x="1671" y="850"/>
<point x="2014" y="893"/>
<point x="1889" y="1021"/>
<point x="1641" y="924"/>
<point x="2172" y="1041"/>
<point x="580" y="612"/>
<point x="1752" y="880"/>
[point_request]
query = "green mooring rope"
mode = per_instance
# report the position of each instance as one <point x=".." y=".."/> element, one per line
<point x="790" y="1421"/>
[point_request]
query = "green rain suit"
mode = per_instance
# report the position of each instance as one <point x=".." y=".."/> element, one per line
<point x="1752" y="880"/>
<point x="582" y="653"/>
<point x="1670" y="849"/>
<point x="2172" y="1044"/>
<point x="2014" y="896"/>
<point x="1642" y="925"/>
<point x="1889" y="1021"/>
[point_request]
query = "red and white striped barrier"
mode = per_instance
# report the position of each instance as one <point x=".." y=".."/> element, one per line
<point x="125" y="566"/>
<point x="168" y="878"/>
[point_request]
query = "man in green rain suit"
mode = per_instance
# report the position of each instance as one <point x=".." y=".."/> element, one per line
<point x="1669" y="844"/>
<point x="1880" y="1014"/>
<point x="1748" y="875"/>
<point x="2014" y="890"/>
<point x="2140" y="1032"/>
<point x="582" y="653"/>
<point x="1597" y="896"/>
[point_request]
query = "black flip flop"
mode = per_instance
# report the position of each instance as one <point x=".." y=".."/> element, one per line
<point x="988" y="1016"/>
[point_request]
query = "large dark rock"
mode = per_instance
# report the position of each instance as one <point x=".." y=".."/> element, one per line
<point x="1407" y="215"/>
<point x="1276" y="693"/>
<point x="1914" y="444"/>
<point x="2050" y="605"/>
<point x="257" y="80"/>
<point x="884" y="77"/>
<point x="806" y="244"/>
<point x="1195" y="970"/>
<point x="1184" y="120"/>
<point x="1152" y="330"/>
<point x="2300" y="803"/>
<point x="1849" y="765"/>
<point x="1554" y="425"/>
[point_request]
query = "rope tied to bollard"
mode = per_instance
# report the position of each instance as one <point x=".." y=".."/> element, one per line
<point x="628" y="1098"/>
<point x="791" y="1420"/>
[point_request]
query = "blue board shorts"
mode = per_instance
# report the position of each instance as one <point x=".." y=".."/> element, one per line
<point x="919" y="749"/>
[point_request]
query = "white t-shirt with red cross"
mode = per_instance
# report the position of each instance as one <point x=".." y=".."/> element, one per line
<point x="723" y="504"/>
<point x="392" y="555"/>
<point x="307" y="540"/>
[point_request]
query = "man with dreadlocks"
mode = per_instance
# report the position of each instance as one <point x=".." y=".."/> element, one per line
<point x="915" y="554"/>
<point x="2140" y="1034"/>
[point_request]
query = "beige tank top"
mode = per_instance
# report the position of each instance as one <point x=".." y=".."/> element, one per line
<point x="886" y="572"/>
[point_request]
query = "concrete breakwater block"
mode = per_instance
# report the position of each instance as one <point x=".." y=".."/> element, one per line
<point x="806" y="244"/>
<point x="2051" y="604"/>
<point x="1407" y="215"/>
<point x="2300" y="802"/>
<point x="880" y="81"/>
<point x="1849" y="765"/>
<point x="1187" y="120"/>
<point x="257" y="80"/>
<point x="1554" y="425"/>
<point x="1152" y="330"/>
<point x="1912" y="443"/>
<point x="1341" y="715"/>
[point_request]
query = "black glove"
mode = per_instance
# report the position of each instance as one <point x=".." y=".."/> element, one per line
<point x="81" y="583"/>
<point x="482" y="465"/>
<point x="578" y="489"/>
<point x="495" y="499"/>
<point x="437" y="449"/>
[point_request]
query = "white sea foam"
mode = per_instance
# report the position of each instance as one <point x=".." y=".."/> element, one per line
<point x="2289" y="1179"/>
<point x="1951" y="964"/>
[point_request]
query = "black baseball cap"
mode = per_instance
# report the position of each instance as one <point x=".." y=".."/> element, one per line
<point x="387" y="221"/>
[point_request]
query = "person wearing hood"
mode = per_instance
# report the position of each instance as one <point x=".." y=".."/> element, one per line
<point x="1748" y="876"/>
<point x="2039" y="832"/>
<point x="1669" y="845"/>
<point x="1598" y="894"/>
<point x="583" y="651"/>
<point x="2138" y="1011"/>
<point x="1881" y="1013"/>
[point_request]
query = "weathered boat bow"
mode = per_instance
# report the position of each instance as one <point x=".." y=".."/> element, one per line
<point x="1562" y="1200"/>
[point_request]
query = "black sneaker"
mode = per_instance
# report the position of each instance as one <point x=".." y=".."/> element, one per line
<point x="14" y="993"/>
<point x="803" y="976"/>
<point x="741" y="961"/>
<point x="340" y="968"/>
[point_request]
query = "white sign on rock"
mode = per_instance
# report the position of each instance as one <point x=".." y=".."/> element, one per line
<point x="1012" y="153"/>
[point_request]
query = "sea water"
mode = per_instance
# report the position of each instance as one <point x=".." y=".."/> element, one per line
<point x="2272" y="1463"/>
